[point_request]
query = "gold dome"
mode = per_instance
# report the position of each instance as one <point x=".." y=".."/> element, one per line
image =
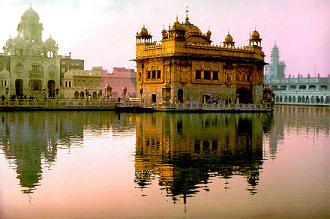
<point x="144" y="31"/>
<point x="255" y="35"/>
<point x="228" y="38"/>
<point x="177" y="25"/>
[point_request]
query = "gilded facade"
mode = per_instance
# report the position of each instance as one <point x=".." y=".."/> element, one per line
<point x="186" y="66"/>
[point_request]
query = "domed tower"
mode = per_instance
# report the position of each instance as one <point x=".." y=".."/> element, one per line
<point x="143" y="36"/>
<point x="30" y="28"/>
<point x="50" y="48"/>
<point x="19" y="46"/>
<point x="255" y="39"/>
<point x="228" y="42"/>
<point x="177" y="30"/>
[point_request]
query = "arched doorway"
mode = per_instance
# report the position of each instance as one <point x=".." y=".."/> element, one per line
<point x="82" y="94"/>
<point x="76" y="95"/>
<point x="244" y="95"/>
<point x="94" y="95"/>
<point x="19" y="87"/>
<point x="180" y="95"/>
<point x="327" y="99"/>
<point x="51" y="89"/>
<point x="153" y="98"/>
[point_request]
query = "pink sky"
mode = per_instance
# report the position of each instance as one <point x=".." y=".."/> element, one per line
<point x="103" y="32"/>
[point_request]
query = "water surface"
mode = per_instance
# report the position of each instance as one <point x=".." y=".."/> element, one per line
<point x="165" y="165"/>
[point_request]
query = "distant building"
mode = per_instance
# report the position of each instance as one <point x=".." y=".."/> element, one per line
<point x="97" y="83"/>
<point x="295" y="90"/>
<point x="120" y="79"/>
<point x="30" y="66"/>
<point x="185" y="66"/>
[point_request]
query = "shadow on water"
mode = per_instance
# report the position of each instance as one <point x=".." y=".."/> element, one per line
<point x="185" y="150"/>
<point x="30" y="141"/>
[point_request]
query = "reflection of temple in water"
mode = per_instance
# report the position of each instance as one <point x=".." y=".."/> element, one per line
<point x="185" y="150"/>
<point x="31" y="140"/>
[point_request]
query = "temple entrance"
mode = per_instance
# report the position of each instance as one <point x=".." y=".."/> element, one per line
<point x="153" y="98"/>
<point x="35" y="85"/>
<point x="244" y="95"/>
<point x="180" y="95"/>
<point x="19" y="87"/>
<point x="51" y="89"/>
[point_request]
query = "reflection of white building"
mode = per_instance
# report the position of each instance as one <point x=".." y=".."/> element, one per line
<point x="29" y="65"/>
<point x="291" y="90"/>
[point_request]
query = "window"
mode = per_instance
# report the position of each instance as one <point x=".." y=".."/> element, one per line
<point x="249" y="78"/>
<point x="148" y="75"/>
<point x="158" y="74"/>
<point x="19" y="68"/>
<point x="323" y="87"/>
<point x="198" y="74"/>
<point x="35" y="68"/>
<point x="215" y="75"/>
<point x="66" y="84"/>
<point x="293" y="87"/>
<point x="153" y="75"/>
<point x="207" y="75"/>
<point x="69" y="83"/>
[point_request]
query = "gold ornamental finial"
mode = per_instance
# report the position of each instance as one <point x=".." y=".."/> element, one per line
<point x="187" y="11"/>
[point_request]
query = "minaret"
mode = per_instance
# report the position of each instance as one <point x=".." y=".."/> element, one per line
<point x="275" y="54"/>
<point x="276" y="68"/>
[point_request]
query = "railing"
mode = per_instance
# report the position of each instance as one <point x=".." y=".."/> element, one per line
<point x="198" y="106"/>
<point x="63" y="104"/>
<point x="58" y="103"/>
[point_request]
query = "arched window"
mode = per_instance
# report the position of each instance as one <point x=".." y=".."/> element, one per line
<point x="294" y="99"/>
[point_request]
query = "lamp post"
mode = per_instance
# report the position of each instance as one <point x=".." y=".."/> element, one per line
<point x="7" y="91"/>
<point x="100" y="94"/>
<point x="141" y="92"/>
<point x="56" y="94"/>
<point x="44" y="92"/>
<point x="86" y="93"/>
